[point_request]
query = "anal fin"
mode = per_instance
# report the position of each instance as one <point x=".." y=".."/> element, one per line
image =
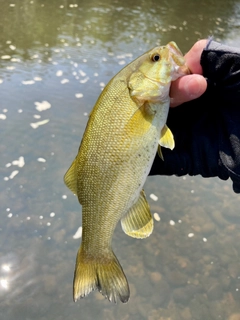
<point x="138" y="222"/>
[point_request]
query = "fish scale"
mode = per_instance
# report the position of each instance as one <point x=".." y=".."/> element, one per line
<point x="122" y="136"/>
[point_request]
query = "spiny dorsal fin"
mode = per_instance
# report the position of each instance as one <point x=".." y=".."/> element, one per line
<point x="166" y="139"/>
<point x="70" y="178"/>
<point x="138" y="222"/>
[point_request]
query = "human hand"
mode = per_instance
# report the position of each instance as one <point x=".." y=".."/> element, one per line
<point x="206" y="129"/>
<point x="191" y="86"/>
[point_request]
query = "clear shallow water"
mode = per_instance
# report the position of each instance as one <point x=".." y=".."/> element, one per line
<point x="55" y="57"/>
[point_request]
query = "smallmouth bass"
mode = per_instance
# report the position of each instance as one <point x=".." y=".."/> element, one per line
<point x="126" y="128"/>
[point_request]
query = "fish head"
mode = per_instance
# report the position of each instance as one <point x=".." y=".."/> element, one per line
<point x="156" y="69"/>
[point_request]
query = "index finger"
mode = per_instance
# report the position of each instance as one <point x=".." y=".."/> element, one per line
<point x="193" y="56"/>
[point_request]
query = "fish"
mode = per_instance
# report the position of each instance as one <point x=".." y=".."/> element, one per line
<point x="125" y="130"/>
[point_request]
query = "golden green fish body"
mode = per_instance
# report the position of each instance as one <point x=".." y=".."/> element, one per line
<point x="120" y="142"/>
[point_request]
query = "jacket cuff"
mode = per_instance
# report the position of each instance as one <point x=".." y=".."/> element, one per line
<point x="216" y="46"/>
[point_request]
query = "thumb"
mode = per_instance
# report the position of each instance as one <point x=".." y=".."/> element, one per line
<point x="187" y="88"/>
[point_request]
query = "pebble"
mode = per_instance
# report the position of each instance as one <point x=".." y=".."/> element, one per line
<point x="198" y="307"/>
<point x="208" y="228"/>
<point x="225" y="281"/>
<point x="186" y="314"/>
<point x="215" y="292"/>
<point x="50" y="283"/>
<point x="218" y="218"/>
<point x="234" y="270"/>
<point x="59" y="235"/>
<point x="176" y="278"/>
<point x="183" y="295"/>
<point x="234" y="316"/>
<point x="186" y="265"/>
<point x="162" y="294"/>
<point x="155" y="277"/>
<point x="144" y="287"/>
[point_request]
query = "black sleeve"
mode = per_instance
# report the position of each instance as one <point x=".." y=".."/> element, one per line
<point x="207" y="130"/>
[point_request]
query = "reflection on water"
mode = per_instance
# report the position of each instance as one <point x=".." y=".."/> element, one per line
<point x="55" y="58"/>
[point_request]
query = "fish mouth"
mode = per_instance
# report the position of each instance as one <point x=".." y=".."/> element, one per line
<point x="182" y="70"/>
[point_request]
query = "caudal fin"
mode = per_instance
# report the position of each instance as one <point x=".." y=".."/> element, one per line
<point x="103" y="274"/>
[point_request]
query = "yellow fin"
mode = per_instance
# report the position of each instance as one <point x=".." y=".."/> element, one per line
<point x="166" y="139"/>
<point x="138" y="222"/>
<point x="139" y="123"/>
<point x="160" y="152"/>
<point x="103" y="273"/>
<point x="70" y="178"/>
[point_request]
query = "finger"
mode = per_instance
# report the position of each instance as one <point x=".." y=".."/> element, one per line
<point x="187" y="88"/>
<point x="194" y="55"/>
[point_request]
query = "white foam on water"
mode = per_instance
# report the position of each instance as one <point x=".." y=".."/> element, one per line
<point x="78" y="233"/>
<point x="153" y="197"/>
<point x="190" y="235"/>
<point x="59" y="73"/>
<point x="28" y="82"/>
<point x="37" y="79"/>
<point x="20" y="162"/>
<point x="63" y="81"/>
<point x="5" y="57"/>
<point x="84" y="80"/>
<point x="13" y="174"/>
<point x="35" y="125"/>
<point x="41" y="106"/>
<point x="156" y="216"/>
<point x="82" y="73"/>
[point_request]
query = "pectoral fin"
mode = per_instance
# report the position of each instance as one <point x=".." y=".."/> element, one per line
<point x="166" y="139"/>
<point x="138" y="222"/>
<point x="70" y="178"/>
<point x="160" y="152"/>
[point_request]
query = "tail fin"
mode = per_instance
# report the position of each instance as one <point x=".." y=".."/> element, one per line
<point x="106" y="275"/>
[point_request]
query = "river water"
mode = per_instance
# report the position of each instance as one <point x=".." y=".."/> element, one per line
<point x="55" y="58"/>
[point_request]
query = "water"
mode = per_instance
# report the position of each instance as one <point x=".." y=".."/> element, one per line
<point x="55" y="58"/>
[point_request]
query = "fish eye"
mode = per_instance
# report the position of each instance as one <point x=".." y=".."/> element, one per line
<point x="155" y="57"/>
